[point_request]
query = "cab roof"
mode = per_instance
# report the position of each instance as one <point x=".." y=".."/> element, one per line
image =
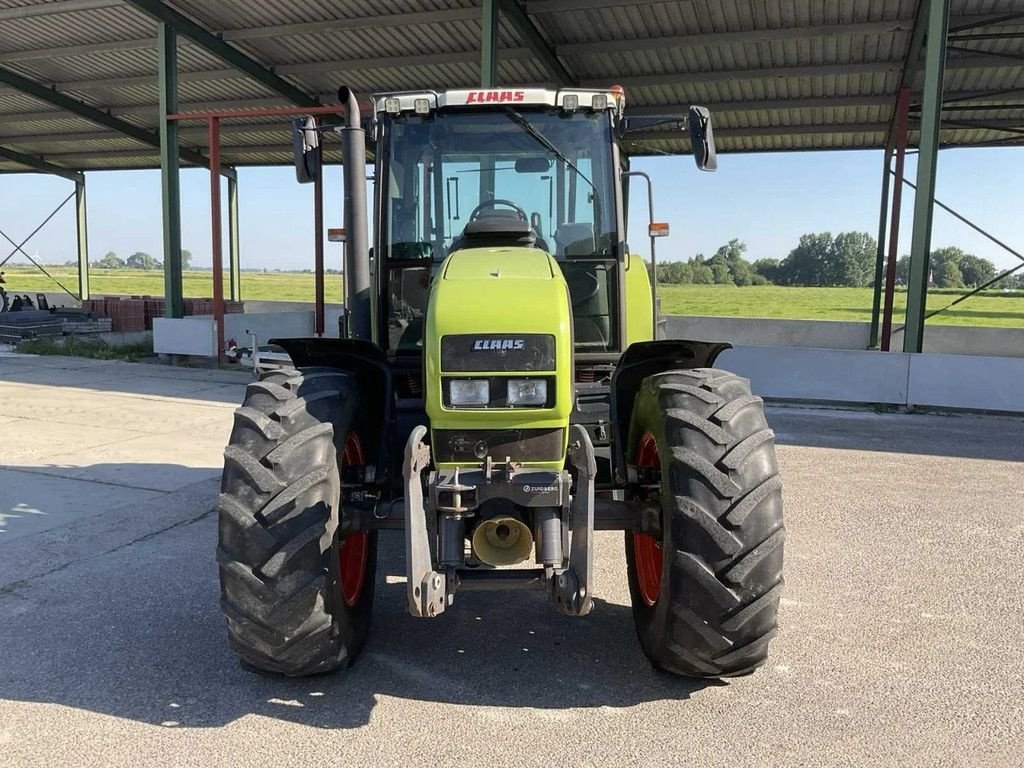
<point x="570" y="99"/>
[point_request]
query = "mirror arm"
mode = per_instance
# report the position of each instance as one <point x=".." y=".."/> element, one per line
<point x="634" y="124"/>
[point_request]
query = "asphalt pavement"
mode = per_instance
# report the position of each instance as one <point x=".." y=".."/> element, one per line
<point x="901" y="637"/>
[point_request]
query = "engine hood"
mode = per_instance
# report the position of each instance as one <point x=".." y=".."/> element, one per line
<point x="499" y="312"/>
<point x="501" y="290"/>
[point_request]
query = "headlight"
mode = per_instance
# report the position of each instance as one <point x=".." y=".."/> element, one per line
<point x="527" y="392"/>
<point x="469" y="392"/>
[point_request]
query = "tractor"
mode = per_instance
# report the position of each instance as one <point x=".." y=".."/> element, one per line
<point x="497" y="394"/>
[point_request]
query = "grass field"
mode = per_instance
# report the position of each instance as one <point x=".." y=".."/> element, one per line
<point x="281" y="286"/>
<point x="990" y="309"/>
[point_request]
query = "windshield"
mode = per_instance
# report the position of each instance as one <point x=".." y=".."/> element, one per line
<point x="549" y="167"/>
<point x="548" y="170"/>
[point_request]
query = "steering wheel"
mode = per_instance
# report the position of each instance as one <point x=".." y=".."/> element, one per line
<point x="488" y="204"/>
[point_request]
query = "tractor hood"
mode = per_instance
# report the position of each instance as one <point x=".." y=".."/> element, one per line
<point x="500" y="264"/>
<point x="501" y="290"/>
<point x="499" y="314"/>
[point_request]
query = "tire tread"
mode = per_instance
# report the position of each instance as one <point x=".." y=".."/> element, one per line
<point x="280" y="493"/>
<point x="721" y="491"/>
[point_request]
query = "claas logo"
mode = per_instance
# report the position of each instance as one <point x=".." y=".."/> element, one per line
<point x="481" y="97"/>
<point x="500" y="344"/>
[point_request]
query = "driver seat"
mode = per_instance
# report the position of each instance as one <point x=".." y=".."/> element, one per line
<point x="498" y="232"/>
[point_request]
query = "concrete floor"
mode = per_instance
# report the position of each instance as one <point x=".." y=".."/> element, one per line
<point x="900" y="645"/>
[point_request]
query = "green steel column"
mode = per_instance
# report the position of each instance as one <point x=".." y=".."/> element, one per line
<point x="234" y="257"/>
<point x="883" y="219"/>
<point x="927" y="161"/>
<point x="83" y="240"/>
<point x="489" y="45"/>
<point x="170" y="180"/>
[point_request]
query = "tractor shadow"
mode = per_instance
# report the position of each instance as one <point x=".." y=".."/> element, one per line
<point x="137" y="634"/>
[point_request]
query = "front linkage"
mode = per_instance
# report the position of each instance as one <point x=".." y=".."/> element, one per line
<point x="455" y="496"/>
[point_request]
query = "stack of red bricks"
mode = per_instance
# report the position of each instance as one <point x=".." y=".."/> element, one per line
<point x="124" y="314"/>
<point x="152" y="307"/>
<point x="130" y="315"/>
<point x="205" y="307"/>
<point x="198" y="306"/>
<point x="137" y="313"/>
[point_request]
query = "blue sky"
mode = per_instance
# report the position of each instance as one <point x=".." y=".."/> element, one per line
<point x="766" y="200"/>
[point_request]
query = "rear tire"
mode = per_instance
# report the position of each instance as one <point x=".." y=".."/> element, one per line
<point x="289" y="609"/>
<point x="705" y="596"/>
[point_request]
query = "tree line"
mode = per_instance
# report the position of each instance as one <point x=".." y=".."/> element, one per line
<point x="138" y="260"/>
<point x="821" y="259"/>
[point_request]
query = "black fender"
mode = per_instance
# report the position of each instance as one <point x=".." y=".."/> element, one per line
<point x="640" y="360"/>
<point x="369" y="364"/>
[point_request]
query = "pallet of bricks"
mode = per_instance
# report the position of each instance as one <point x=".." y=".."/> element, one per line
<point x="82" y="321"/>
<point x="153" y="307"/>
<point x="137" y="312"/>
<point x="124" y="314"/>
<point x="27" y="324"/>
<point x="205" y="307"/>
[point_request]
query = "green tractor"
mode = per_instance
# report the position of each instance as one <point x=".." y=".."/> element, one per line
<point x="498" y="395"/>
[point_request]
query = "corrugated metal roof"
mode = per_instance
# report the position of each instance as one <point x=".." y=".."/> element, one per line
<point x="778" y="74"/>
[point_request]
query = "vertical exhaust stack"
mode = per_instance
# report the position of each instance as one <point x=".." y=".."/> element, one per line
<point x="357" y="240"/>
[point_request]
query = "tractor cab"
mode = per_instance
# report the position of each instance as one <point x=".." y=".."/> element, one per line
<point x="523" y="169"/>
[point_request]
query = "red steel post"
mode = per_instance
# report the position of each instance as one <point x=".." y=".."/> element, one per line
<point x="213" y="129"/>
<point x="903" y="108"/>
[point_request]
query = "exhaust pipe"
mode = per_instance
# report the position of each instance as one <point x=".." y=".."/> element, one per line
<point x="357" y="240"/>
<point x="502" y="541"/>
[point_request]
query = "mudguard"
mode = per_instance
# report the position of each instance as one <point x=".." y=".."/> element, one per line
<point x="370" y="366"/>
<point x="643" y="359"/>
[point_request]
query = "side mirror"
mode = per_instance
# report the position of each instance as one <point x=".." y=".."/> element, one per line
<point x="306" y="149"/>
<point x="702" y="139"/>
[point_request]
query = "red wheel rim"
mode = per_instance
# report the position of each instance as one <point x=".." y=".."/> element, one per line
<point x="354" y="549"/>
<point x="646" y="549"/>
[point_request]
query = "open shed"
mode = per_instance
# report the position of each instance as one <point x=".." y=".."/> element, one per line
<point x="91" y="85"/>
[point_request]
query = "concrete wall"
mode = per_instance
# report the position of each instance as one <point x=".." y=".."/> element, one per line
<point x="956" y="381"/>
<point x="834" y="334"/>
<point x="332" y="315"/>
<point x="795" y="373"/>
<point x="897" y="379"/>
<point x="267" y="324"/>
<point x="54" y="298"/>
<point x="197" y="335"/>
<point x="764" y="332"/>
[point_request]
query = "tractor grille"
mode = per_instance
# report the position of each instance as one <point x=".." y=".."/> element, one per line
<point x="498" y="352"/>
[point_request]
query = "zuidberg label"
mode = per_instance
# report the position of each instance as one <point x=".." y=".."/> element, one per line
<point x="540" y="488"/>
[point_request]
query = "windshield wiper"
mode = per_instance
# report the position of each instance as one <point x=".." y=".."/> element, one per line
<point x="545" y="142"/>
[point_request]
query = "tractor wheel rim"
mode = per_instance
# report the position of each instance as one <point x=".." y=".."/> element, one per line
<point x="354" y="549"/>
<point x="646" y="549"/>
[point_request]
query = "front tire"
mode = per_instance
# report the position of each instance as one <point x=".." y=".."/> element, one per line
<point x="297" y="598"/>
<point x="706" y="594"/>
